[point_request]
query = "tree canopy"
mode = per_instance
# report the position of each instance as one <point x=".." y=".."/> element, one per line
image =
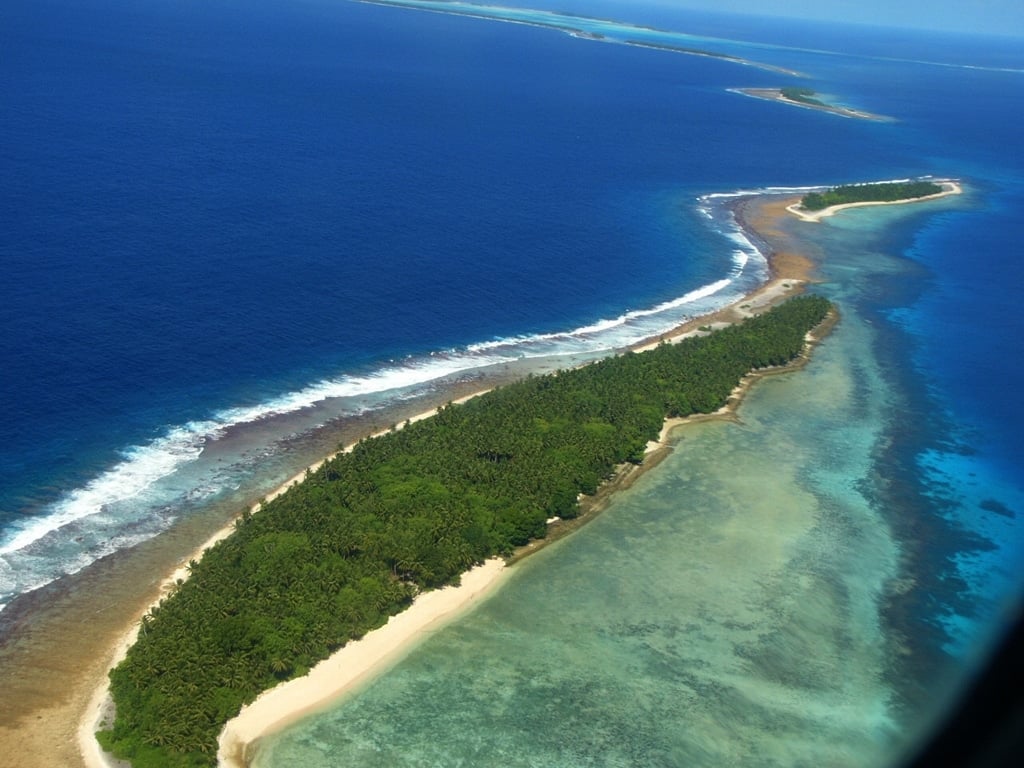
<point x="410" y="510"/>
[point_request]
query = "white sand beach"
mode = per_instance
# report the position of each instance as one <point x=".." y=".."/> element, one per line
<point x="356" y="663"/>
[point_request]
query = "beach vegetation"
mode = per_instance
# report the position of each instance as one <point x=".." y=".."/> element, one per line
<point x="407" y="511"/>
<point x="862" y="193"/>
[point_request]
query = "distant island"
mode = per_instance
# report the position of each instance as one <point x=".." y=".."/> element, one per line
<point x="579" y="26"/>
<point x="815" y="206"/>
<point x="806" y="97"/>
<point x="869" y="193"/>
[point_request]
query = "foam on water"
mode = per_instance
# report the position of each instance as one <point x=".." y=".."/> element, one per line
<point x="623" y="330"/>
<point x="141" y="468"/>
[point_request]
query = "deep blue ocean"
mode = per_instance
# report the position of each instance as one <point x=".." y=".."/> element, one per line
<point x="224" y="224"/>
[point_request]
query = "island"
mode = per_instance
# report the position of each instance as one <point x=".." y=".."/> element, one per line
<point x="401" y="514"/>
<point x="807" y="98"/>
<point x="329" y="578"/>
<point x="814" y="206"/>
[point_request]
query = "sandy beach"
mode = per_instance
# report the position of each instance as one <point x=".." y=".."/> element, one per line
<point x="59" y="698"/>
<point x="355" y="664"/>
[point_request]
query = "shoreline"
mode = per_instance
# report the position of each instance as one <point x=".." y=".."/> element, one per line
<point x="950" y="187"/>
<point x="100" y="705"/>
<point x="356" y="664"/>
<point x="789" y="273"/>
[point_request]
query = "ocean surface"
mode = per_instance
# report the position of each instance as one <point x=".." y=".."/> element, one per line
<point x="225" y="226"/>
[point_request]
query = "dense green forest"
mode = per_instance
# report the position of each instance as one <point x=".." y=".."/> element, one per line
<point x="410" y="510"/>
<point x="860" y="193"/>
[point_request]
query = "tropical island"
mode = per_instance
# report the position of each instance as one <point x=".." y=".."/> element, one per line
<point x="815" y="206"/>
<point x="806" y="97"/>
<point x="406" y="512"/>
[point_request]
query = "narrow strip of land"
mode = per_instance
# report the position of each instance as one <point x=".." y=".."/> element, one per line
<point x="582" y="27"/>
<point x="793" y="97"/>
